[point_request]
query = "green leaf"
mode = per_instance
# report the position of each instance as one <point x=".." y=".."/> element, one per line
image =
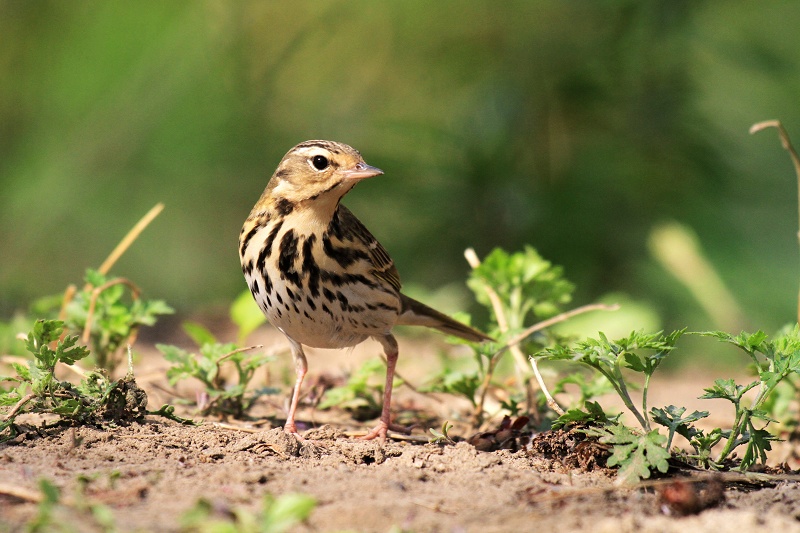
<point x="749" y="342"/>
<point x="286" y="511"/>
<point x="68" y="353"/>
<point x="49" y="491"/>
<point x="589" y="387"/>
<point x="525" y="282"/>
<point x="757" y="447"/>
<point x="636" y="455"/>
<point x="68" y="407"/>
<point x="198" y="333"/>
<point x="727" y="389"/>
<point x="463" y="384"/>
<point x="593" y="415"/>
<point x="672" y="417"/>
<point x="44" y="332"/>
<point x="23" y="373"/>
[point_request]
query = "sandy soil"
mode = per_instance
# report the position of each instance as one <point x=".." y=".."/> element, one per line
<point x="150" y="474"/>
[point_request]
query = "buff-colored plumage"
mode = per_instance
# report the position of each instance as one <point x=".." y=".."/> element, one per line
<point x="318" y="274"/>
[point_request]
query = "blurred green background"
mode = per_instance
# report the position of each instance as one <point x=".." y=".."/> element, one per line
<point x="576" y="127"/>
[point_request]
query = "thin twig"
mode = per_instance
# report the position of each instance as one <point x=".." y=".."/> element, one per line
<point x="228" y="355"/>
<point x="126" y="241"/>
<point x="223" y="425"/>
<point x="551" y="402"/>
<point x="787" y="145"/>
<point x="21" y="493"/>
<point x="555" y="320"/>
<point x="14" y="410"/>
<point x="238" y="350"/>
<point x="93" y="302"/>
<point x="497" y="305"/>
<point x="69" y="294"/>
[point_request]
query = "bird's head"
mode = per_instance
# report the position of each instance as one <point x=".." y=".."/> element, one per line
<point x="318" y="171"/>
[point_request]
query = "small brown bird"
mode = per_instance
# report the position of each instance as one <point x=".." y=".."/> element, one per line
<point x="318" y="274"/>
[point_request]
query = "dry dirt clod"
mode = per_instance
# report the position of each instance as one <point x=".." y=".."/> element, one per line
<point x="275" y="441"/>
<point x="508" y="436"/>
<point x="571" y="448"/>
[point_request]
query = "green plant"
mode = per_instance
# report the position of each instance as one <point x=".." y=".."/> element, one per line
<point x="206" y="366"/>
<point x="79" y="513"/>
<point x="636" y="452"/>
<point x="108" y="312"/>
<point x="441" y="437"/>
<point x="275" y="516"/>
<point x="94" y="399"/>
<point x="639" y="352"/>
<point x="775" y="361"/>
<point x="516" y="289"/>
<point x="591" y="386"/>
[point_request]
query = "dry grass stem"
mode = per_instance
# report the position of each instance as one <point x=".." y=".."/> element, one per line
<point x="132" y="235"/>
<point x="19" y="405"/>
<point x="787" y="145"/>
<point x="21" y="493"/>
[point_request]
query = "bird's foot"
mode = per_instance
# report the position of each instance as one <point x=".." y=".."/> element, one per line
<point x="378" y="432"/>
<point x="382" y="429"/>
<point x="291" y="429"/>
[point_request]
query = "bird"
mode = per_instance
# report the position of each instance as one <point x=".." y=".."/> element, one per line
<point x="318" y="274"/>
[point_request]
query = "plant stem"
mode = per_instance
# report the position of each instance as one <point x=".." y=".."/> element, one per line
<point x="131" y="236"/>
<point x="626" y="398"/>
<point x="14" y="410"/>
<point x="735" y="432"/>
<point x="644" y="404"/>
<point x="787" y="145"/>
<point x="555" y="320"/>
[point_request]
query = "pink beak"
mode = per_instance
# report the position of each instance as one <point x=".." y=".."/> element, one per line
<point x="361" y="171"/>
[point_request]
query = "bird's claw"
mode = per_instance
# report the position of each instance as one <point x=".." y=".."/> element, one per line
<point x="380" y="431"/>
<point x="291" y="429"/>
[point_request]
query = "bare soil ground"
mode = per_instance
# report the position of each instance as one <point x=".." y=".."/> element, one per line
<point x="150" y="474"/>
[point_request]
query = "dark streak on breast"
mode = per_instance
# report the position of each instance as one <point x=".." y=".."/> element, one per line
<point x="328" y="294"/>
<point x="246" y="240"/>
<point x="267" y="250"/>
<point x="255" y="288"/>
<point x="310" y="266"/>
<point x="288" y="255"/>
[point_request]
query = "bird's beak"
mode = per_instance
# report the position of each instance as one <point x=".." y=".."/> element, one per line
<point x="361" y="171"/>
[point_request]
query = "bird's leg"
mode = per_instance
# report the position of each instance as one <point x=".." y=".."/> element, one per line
<point x="390" y="349"/>
<point x="300" y="368"/>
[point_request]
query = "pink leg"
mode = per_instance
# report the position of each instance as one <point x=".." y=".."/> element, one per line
<point x="390" y="349"/>
<point x="300" y="368"/>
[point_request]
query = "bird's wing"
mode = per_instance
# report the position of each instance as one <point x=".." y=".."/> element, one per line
<point x="383" y="266"/>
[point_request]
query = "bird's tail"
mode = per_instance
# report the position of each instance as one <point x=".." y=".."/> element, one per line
<point x="415" y="313"/>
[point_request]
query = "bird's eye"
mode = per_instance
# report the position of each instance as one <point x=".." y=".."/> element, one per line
<point x="320" y="162"/>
